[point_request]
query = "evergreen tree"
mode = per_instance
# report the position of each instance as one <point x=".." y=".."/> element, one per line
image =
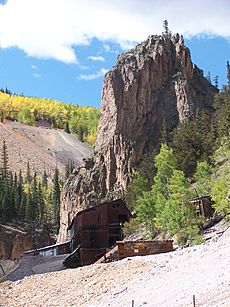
<point x="166" y="27"/>
<point x="5" y="209"/>
<point x="228" y="73"/>
<point x="166" y="206"/>
<point x="164" y="132"/>
<point x="5" y="160"/>
<point x="23" y="207"/>
<point x="41" y="204"/>
<point x="137" y="187"/>
<point x="44" y="179"/>
<point x="29" y="214"/>
<point x="165" y="163"/>
<point x="202" y="177"/>
<point x="56" y="192"/>
<point x="35" y="198"/>
<point x="20" y="186"/>
<point x="216" y="81"/>
<point x="222" y="113"/>
<point x="66" y="127"/>
<point x="221" y="178"/>
<point x="179" y="214"/>
<point x="28" y="178"/>
<point x="193" y="141"/>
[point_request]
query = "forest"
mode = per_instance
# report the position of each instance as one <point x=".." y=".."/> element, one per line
<point x="193" y="161"/>
<point x="80" y="120"/>
<point x="29" y="200"/>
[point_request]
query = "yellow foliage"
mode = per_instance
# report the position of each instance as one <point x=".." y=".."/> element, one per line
<point x="83" y="119"/>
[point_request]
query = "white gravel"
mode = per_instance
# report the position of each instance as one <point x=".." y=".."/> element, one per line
<point x="162" y="280"/>
<point x="203" y="271"/>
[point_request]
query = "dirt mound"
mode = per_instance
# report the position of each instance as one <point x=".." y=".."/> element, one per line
<point x="169" y="279"/>
<point x="42" y="147"/>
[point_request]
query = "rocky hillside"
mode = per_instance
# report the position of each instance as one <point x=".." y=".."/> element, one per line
<point x="154" y="85"/>
<point x="42" y="147"/>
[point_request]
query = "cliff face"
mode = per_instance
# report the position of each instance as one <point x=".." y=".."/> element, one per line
<point x="154" y="83"/>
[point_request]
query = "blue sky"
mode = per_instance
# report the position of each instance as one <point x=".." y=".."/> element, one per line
<point x="61" y="49"/>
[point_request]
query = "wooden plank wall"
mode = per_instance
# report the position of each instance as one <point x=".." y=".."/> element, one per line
<point x="142" y="248"/>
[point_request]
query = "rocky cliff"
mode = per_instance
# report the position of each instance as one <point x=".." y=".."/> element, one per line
<point x="154" y="83"/>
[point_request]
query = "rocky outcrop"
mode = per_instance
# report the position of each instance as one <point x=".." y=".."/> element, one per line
<point x="14" y="241"/>
<point x="154" y="83"/>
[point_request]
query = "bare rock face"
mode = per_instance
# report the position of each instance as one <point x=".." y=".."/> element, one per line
<point x="154" y="83"/>
<point x="14" y="241"/>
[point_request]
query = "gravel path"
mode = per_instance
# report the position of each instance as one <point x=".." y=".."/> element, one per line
<point x="162" y="280"/>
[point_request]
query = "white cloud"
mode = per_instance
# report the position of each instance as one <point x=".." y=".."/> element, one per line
<point x="106" y="47"/>
<point x="51" y="28"/>
<point x="36" y="75"/>
<point x="97" y="75"/>
<point x="96" y="58"/>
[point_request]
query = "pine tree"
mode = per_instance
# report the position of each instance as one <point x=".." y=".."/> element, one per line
<point x="216" y="81"/>
<point x="56" y="192"/>
<point x="23" y="207"/>
<point x="4" y="209"/>
<point x="71" y="166"/>
<point x="228" y="73"/>
<point x="179" y="214"/>
<point x="44" y="179"/>
<point x="5" y="160"/>
<point x="34" y="195"/>
<point x="66" y="127"/>
<point x="202" y="177"/>
<point x="29" y="207"/>
<point x="41" y="204"/>
<point x="164" y="132"/>
<point x="28" y="178"/>
<point x="7" y="206"/>
<point x="166" y="27"/>
<point x="20" y="186"/>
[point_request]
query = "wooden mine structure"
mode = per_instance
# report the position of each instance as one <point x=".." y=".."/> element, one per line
<point x="203" y="206"/>
<point x="94" y="229"/>
<point x="125" y="249"/>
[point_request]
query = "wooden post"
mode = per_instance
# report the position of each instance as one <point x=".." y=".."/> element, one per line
<point x="194" y="301"/>
<point x="132" y="303"/>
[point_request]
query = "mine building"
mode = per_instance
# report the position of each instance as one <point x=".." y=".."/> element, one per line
<point x="94" y="229"/>
<point x="203" y="206"/>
